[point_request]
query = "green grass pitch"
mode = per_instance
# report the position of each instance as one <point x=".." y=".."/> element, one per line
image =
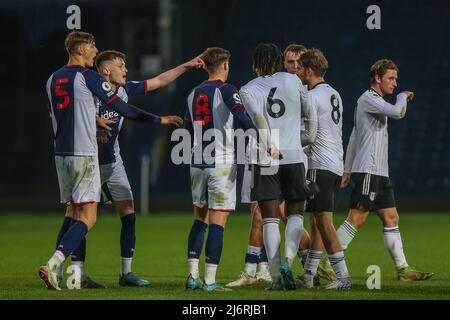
<point x="27" y="241"/>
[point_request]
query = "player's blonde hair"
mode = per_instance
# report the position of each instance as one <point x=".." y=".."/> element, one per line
<point x="315" y="59"/>
<point x="380" y="67"/>
<point x="294" y="48"/>
<point x="108" y="55"/>
<point x="75" y="38"/>
<point x="214" y="57"/>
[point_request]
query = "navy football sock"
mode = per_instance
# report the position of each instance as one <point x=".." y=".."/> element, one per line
<point x="263" y="256"/>
<point x="67" y="222"/>
<point x="73" y="237"/>
<point x="79" y="254"/>
<point x="214" y="244"/>
<point x="128" y="235"/>
<point x="196" y="238"/>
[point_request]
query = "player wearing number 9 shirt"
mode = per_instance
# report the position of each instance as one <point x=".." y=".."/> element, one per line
<point x="72" y="92"/>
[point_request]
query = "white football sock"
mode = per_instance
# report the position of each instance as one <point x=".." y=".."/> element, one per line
<point x="56" y="260"/>
<point x="79" y="265"/>
<point x="293" y="234"/>
<point x="312" y="262"/>
<point x="210" y="273"/>
<point x="125" y="265"/>
<point x="250" y="267"/>
<point x="346" y="233"/>
<point x="60" y="271"/>
<point x="263" y="267"/>
<point x="337" y="261"/>
<point x="303" y="255"/>
<point x="193" y="267"/>
<point x="393" y="243"/>
<point x="272" y="240"/>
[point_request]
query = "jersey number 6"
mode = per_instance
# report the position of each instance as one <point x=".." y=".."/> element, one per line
<point x="271" y="102"/>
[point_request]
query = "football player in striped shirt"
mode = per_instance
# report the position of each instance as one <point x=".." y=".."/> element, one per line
<point x="72" y="92"/>
<point x="366" y="163"/>
<point x="111" y="65"/>
<point x="212" y="108"/>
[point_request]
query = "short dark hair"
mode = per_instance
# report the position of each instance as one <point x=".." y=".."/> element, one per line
<point x="315" y="59"/>
<point x="75" y="38"/>
<point x="108" y="55"/>
<point x="294" y="48"/>
<point x="380" y="67"/>
<point x="214" y="57"/>
<point x="267" y="58"/>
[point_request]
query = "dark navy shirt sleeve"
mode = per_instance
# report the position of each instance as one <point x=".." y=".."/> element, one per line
<point x="102" y="89"/>
<point x="232" y="99"/>
<point x="133" y="88"/>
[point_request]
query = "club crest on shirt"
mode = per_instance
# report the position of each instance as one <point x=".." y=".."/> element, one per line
<point x="106" y="86"/>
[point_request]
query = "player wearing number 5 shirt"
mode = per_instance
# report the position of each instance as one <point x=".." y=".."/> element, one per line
<point x="72" y="92"/>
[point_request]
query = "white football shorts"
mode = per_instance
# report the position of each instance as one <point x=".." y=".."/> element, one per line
<point x="247" y="184"/>
<point x="115" y="180"/>
<point x="79" y="179"/>
<point x="214" y="187"/>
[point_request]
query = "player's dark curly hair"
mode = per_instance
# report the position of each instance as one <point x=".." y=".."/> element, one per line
<point x="267" y="59"/>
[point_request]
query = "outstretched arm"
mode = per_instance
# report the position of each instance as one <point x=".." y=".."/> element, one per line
<point x="171" y="75"/>
<point x="376" y="104"/>
<point x="103" y="91"/>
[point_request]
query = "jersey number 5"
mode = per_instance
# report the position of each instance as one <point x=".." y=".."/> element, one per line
<point x="62" y="93"/>
<point x="335" y="113"/>
<point x="271" y="102"/>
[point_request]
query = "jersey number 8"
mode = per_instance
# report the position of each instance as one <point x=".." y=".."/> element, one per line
<point x="335" y="113"/>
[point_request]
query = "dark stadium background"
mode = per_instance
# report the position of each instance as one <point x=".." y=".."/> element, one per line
<point x="415" y="34"/>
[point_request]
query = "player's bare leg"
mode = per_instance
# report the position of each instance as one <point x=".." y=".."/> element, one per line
<point x="125" y="210"/>
<point x="347" y="231"/>
<point x="394" y="245"/>
<point x="324" y="235"/>
<point x="252" y="258"/>
<point x="324" y="270"/>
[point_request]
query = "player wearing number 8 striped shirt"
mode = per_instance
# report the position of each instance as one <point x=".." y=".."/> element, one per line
<point x="367" y="162"/>
<point x="111" y="65"/>
<point x="72" y="92"/>
<point x="212" y="107"/>
<point x="276" y="101"/>
<point x="325" y="168"/>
